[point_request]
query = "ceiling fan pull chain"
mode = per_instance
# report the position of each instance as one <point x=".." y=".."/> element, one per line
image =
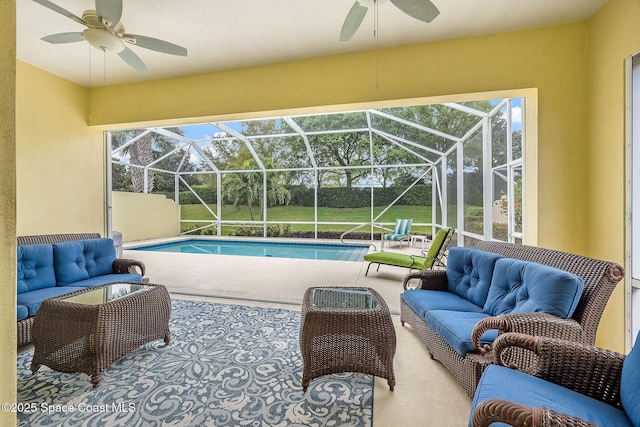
<point x="377" y="36"/>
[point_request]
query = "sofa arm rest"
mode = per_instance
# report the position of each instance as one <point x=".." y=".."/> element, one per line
<point x="542" y="324"/>
<point x="497" y="410"/>
<point x="433" y="280"/>
<point x="128" y="266"/>
<point x="586" y="369"/>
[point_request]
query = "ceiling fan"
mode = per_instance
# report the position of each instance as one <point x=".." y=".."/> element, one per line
<point x="106" y="32"/>
<point x="422" y="10"/>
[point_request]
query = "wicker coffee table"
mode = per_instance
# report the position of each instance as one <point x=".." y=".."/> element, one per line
<point x="346" y="330"/>
<point x="87" y="330"/>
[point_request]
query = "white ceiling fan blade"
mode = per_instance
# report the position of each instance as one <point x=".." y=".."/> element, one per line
<point x="63" y="38"/>
<point x="422" y="10"/>
<point x="61" y="11"/>
<point x="133" y="60"/>
<point x="109" y="10"/>
<point x="352" y="21"/>
<point x="155" y="44"/>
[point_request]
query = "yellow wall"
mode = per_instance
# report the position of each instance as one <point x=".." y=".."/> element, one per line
<point x="144" y="216"/>
<point x="613" y="37"/>
<point x="60" y="161"/>
<point x="7" y="208"/>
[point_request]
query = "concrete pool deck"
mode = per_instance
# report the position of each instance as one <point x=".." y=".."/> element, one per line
<point x="269" y="279"/>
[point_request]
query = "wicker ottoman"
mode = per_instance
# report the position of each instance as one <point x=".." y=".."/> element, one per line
<point x="87" y="330"/>
<point x="346" y="330"/>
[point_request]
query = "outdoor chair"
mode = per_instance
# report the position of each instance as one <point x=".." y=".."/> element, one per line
<point x="433" y="257"/>
<point x="400" y="231"/>
<point x="567" y="384"/>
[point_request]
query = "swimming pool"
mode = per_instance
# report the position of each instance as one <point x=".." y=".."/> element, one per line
<point x="324" y="251"/>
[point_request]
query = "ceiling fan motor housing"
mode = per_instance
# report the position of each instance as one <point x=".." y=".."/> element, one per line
<point x="103" y="40"/>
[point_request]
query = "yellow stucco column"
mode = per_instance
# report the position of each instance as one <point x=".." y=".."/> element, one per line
<point x="8" y="207"/>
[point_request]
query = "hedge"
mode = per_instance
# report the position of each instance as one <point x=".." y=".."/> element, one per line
<point x="342" y="197"/>
<point x="329" y="197"/>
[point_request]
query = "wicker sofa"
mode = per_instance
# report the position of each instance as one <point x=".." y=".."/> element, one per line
<point x="467" y="364"/>
<point x="567" y="384"/>
<point x="55" y="264"/>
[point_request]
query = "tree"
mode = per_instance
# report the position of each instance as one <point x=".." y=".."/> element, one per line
<point x="247" y="188"/>
<point x="342" y="149"/>
<point x="142" y="152"/>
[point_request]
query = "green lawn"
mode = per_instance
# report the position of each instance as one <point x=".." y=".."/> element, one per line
<point x="304" y="213"/>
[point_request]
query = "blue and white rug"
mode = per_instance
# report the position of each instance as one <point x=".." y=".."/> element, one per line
<point x="226" y="365"/>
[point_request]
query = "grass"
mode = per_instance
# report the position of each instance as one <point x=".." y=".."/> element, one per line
<point x="305" y="213"/>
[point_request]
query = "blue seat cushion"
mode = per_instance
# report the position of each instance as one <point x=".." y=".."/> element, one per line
<point x="400" y="230"/>
<point x="630" y="383"/>
<point x="32" y="300"/>
<point x="525" y="287"/>
<point x="422" y="301"/>
<point x="35" y="267"/>
<point x="23" y="312"/>
<point x="469" y="273"/>
<point x="82" y="259"/>
<point x="455" y="327"/>
<point x="107" y="278"/>
<point x="498" y="382"/>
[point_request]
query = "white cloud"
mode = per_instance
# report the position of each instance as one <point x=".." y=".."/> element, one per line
<point x="516" y="115"/>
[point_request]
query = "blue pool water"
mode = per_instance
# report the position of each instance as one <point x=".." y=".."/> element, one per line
<point x="325" y="251"/>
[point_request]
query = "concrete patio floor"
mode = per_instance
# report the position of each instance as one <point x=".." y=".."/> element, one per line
<point x="425" y="394"/>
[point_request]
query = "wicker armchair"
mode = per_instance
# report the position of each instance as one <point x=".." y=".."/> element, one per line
<point x="600" y="279"/>
<point x="590" y="371"/>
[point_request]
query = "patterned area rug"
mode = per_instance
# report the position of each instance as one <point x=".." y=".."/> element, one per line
<point x="226" y="365"/>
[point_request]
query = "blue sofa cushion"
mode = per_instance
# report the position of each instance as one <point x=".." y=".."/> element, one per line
<point x="498" y="382"/>
<point x="32" y="300"/>
<point x="630" y="383"/>
<point x="422" y="301"/>
<point x="81" y="259"/>
<point x="525" y="287"/>
<point x="107" y="278"/>
<point x="23" y="312"/>
<point x="469" y="273"/>
<point x="35" y="267"/>
<point x="455" y="327"/>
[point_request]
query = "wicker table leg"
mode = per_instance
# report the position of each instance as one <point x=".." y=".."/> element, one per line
<point x="95" y="379"/>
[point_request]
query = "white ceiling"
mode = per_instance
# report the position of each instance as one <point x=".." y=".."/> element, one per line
<point x="227" y="34"/>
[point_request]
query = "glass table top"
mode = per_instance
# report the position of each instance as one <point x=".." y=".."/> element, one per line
<point x="336" y="299"/>
<point x="108" y="293"/>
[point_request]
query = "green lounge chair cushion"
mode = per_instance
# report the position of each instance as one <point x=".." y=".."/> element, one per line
<point x="400" y="260"/>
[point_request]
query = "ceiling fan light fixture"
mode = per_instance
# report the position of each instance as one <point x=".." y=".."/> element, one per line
<point x="103" y="40"/>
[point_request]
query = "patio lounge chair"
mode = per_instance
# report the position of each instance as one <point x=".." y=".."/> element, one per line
<point x="400" y="231"/>
<point x="433" y="257"/>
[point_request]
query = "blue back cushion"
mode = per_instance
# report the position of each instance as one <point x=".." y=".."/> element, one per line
<point x="524" y="287"/>
<point x="469" y="273"/>
<point x="630" y="383"/>
<point x="82" y="259"/>
<point x="35" y="267"/>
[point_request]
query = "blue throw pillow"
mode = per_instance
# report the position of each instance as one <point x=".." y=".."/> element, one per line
<point x="469" y="273"/>
<point x="523" y="287"/>
<point x="81" y="259"/>
<point x="35" y="267"/>
<point x="630" y="384"/>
